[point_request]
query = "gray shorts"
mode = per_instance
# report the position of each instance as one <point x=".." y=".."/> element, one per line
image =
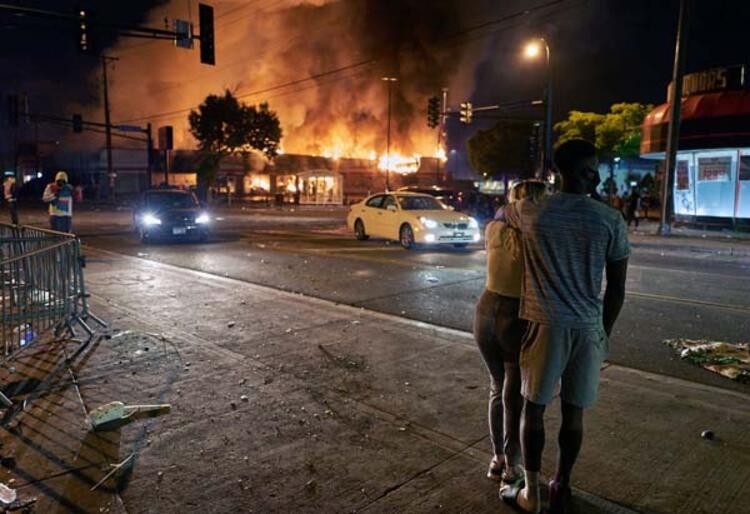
<point x="572" y="357"/>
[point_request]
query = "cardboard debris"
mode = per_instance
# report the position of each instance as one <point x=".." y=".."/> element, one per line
<point x="731" y="360"/>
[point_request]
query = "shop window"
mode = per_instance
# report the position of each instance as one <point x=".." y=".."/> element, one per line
<point x="745" y="167"/>
<point x="683" y="176"/>
<point x="714" y="169"/>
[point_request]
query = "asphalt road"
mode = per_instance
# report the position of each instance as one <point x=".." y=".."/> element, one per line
<point x="671" y="292"/>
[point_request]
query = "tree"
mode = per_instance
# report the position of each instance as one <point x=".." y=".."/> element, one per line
<point x="502" y="148"/>
<point x="616" y="134"/>
<point x="225" y="126"/>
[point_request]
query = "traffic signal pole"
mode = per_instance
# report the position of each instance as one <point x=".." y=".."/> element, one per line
<point x="108" y="128"/>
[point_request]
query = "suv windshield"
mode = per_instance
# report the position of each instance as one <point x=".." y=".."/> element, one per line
<point x="420" y="203"/>
<point x="171" y="200"/>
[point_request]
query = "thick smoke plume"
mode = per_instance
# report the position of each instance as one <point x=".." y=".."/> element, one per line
<point x="267" y="48"/>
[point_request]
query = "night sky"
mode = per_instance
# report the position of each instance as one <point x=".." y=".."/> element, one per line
<point x="603" y="51"/>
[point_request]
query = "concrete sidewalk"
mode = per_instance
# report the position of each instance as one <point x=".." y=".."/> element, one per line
<point x="284" y="403"/>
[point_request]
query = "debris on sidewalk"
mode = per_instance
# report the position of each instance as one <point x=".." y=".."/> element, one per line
<point x="116" y="414"/>
<point x="116" y="468"/>
<point x="7" y="495"/>
<point x="731" y="360"/>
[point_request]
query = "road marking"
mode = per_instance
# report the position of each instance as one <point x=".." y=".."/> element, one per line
<point x="689" y="301"/>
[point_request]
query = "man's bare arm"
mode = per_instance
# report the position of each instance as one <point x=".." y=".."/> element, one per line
<point x="614" y="295"/>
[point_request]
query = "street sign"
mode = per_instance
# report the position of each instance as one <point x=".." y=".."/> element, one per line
<point x="166" y="137"/>
<point x="129" y="128"/>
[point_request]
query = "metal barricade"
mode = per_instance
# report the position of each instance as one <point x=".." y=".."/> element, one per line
<point x="42" y="290"/>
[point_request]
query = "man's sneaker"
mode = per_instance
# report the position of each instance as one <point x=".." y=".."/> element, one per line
<point x="513" y="475"/>
<point x="559" y="498"/>
<point x="495" y="470"/>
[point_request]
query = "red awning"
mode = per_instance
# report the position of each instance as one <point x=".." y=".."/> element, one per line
<point x="708" y="105"/>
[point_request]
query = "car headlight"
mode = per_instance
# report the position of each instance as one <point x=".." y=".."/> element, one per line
<point x="150" y="219"/>
<point x="428" y="223"/>
<point x="473" y="223"/>
<point x="203" y="219"/>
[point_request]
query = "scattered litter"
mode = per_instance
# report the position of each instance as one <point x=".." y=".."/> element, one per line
<point x="708" y="435"/>
<point x="230" y="324"/>
<point x="355" y="322"/>
<point x="7" y="494"/>
<point x="430" y="278"/>
<point x="233" y="405"/>
<point x="120" y="334"/>
<point x="439" y="266"/>
<point x="242" y="381"/>
<point x="472" y="386"/>
<point x="402" y="429"/>
<point x="403" y="312"/>
<point x="262" y="261"/>
<point x="244" y="398"/>
<point x="288" y="331"/>
<point x="727" y="359"/>
<point x="407" y="383"/>
<point x="311" y="485"/>
<point x="141" y="254"/>
<point x="115" y="414"/>
<point x="115" y="469"/>
<point x="260" y="245"/>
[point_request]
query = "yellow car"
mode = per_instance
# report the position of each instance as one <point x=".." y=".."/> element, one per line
<point x="411" y="218"/>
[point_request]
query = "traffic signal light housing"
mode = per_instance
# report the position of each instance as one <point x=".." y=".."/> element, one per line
<point x="433" y="112"/>
<point x="534" y="140"/>
<point x="206" y="25"/>
<point x="85" y="41"/>
<point x="466" y="112"/>
<point x="77" y="123"/>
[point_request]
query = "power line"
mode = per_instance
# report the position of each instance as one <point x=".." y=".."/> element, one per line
<point x="259" y="91"/>
<point x="447" y="39"/>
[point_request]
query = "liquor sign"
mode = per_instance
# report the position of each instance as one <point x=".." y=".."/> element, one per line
<point x="727" y="78"/>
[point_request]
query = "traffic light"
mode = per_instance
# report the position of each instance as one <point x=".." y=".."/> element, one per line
<point x="13" y="110"/>
<point x="85" y="41"/>
<point x="433" y="112"/>
<point x="206" y="24"/>
<point x="534" y="143"/>
<point x="77" y="123"/>
<point x="466" y="112"/>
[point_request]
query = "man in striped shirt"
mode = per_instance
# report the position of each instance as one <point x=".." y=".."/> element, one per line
<point x="569" y="241"/>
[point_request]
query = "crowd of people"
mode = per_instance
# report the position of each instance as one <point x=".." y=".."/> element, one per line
<point x="540" y="324"/>
<point x="59" y="195"/>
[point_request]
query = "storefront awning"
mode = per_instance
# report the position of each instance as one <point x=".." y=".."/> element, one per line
<point x="710" y="120"/>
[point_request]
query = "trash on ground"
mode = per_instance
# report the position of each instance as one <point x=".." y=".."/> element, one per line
<point x="430" y="278"/>
<point x="115" y="469"/>
<point x="116" y="414"/>
<point x="141" y="254"/>
<point x="231" y="324"/>
<point x="708" y="435"/>
<point x="731" y="360"/>
<point x="7" y="495"/>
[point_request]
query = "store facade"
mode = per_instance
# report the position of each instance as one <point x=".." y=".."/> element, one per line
<point x="712" y="173"/>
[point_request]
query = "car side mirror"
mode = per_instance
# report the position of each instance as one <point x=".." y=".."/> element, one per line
<point x="391" y="208"/>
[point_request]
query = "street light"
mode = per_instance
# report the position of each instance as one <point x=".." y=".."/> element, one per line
<point x="389" y="81"/>
<point x="533" y="50"/>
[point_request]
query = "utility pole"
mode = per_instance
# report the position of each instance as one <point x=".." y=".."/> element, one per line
<point x="108" y="127"/>
<point x="675" y="110"/>
<point x="441" y="129"/>
<point x="390" y="81"/>
<point x="150" y="156"/>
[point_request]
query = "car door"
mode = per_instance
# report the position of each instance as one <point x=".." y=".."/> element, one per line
<point x="390" y="217"/>
<point x="369" y="213"/>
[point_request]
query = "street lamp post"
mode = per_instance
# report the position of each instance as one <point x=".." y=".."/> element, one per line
<point x="389" y="81"/>
<point x="532" y="51"/>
